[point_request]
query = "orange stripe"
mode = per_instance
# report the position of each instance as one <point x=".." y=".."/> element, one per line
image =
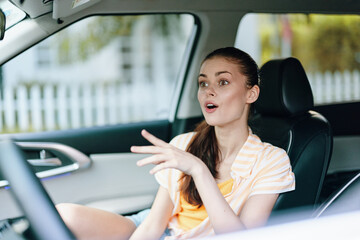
<point x="253" y="142"/>
<point x="182" y="142"/>
<point x="270" y="160"/>
<point x="186" y="141"/>
<point x="247" y="155"/>
<point x="240" y="200"/>
<point x="240" y="169"/>
<point x="175" y="141"/>
<point x="275" y="188"/>
<point x="251" y="147"/>
<point x="277" y="151"/>
<point x="243" y="161"/>
<point x="260" y="159"/>
<point x="268" y="169"/>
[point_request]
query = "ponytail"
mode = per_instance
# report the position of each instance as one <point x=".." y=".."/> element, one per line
<point x="204" y="145"/>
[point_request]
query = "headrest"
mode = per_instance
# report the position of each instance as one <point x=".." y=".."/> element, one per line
<point x="284" y="88"/>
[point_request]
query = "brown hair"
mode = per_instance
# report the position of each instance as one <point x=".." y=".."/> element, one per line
<point x="204" y="144"/>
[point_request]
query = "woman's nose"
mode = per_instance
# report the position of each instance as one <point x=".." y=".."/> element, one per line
<point x="210" y="91"/>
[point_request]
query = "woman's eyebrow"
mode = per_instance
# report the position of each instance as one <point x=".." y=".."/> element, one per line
<point x="202" y="75"/>
<point x="221" y="72"/>
<point x="216" y="74"/>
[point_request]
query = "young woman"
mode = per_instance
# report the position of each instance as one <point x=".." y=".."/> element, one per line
<point x="217" y="179"/>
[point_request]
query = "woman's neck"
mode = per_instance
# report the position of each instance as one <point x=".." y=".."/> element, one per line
<point x="231" y="138"/>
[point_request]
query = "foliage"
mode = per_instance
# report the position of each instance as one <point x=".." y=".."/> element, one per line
<point x="80" y="45"/>
<point x="335" y="42"/>
<point x="269" y="35"/>
<point x="321" y="42"/>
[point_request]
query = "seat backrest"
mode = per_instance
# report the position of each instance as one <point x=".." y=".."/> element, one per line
<point x="283" y="117"/>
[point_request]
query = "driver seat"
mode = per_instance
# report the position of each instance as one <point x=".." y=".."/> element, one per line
<point x="283" y="117"/>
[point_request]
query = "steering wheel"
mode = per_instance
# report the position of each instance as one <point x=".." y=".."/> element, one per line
<point x="31" y="196"/>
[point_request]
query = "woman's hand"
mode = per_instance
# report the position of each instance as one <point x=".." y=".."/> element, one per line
<point x="167" y="156"/>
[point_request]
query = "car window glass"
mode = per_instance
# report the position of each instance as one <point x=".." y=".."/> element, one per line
<point x="328" y="46"/>
<point x="101" y="70"/>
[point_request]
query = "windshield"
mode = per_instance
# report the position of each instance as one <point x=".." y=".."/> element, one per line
<point x="12" y="13"/>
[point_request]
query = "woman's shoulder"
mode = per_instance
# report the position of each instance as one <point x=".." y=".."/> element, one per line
<point x="181" y="141"/>
<point x="267" y="150"/>
<point x="269" y="160"/>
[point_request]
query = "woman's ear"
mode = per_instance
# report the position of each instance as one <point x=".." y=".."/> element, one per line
<point x="253" y="94"/>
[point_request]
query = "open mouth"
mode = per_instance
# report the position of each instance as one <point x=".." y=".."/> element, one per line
<point x="211" y="106"/>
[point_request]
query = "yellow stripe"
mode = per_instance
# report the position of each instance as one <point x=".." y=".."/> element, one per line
<point x="239" y="201"/>
<point x="249" y="156"/>
<point x="253" y="141"/>
<point x="274" y="165"/>
<point x="251" y="147"/>
<point x="273" y="188"/>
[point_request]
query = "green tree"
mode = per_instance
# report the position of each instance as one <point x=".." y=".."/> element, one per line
<point x="321" y="42"/>
<point x="101" y="30"/>
<point x="335" y="42"/>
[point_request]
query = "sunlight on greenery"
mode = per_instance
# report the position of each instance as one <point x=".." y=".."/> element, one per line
<point x="321" y="42"/>
<point x="80" y="45"/>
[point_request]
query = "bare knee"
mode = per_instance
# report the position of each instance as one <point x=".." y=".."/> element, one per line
<point x="93" y="223"/>
<point x="69" y="212"/>
<point x="76" y="218"/>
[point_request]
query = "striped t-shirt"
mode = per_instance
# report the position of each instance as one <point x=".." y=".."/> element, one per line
<point x="259" y="168"/>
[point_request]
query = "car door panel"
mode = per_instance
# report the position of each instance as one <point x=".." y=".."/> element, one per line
<point x="53" y="159"/>
<point x="111" y="180"/>
<point x="114" y="138"/>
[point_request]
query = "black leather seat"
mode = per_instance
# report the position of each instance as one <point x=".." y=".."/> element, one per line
<point x="283" y="117"/>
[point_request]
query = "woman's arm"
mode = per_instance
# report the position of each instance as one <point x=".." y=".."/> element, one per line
<point x="167" y="156"/>
<point x="255" y="212"/>
<point x="155" y="223"/>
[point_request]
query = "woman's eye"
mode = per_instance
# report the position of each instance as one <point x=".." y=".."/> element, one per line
<point x="203" y="84"/>
<point x="223" y="82"/>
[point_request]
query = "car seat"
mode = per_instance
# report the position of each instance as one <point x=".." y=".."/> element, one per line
<point x="283" y="117"/>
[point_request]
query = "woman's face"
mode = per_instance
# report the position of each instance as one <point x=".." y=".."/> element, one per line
<point x="223" y="94"/>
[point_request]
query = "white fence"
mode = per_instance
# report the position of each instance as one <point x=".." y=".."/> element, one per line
<point x="62" y="106"/>
<point x="335" y="87"/>
<point x="129" y="80"/>
<point x="53" y="107"/>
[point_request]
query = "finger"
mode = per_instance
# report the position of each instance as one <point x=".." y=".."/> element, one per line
<point x="152" y="139"/>
<point x="160" y="167"/>
<point x="154" y="159"/>
<point x="146" y="149"/>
